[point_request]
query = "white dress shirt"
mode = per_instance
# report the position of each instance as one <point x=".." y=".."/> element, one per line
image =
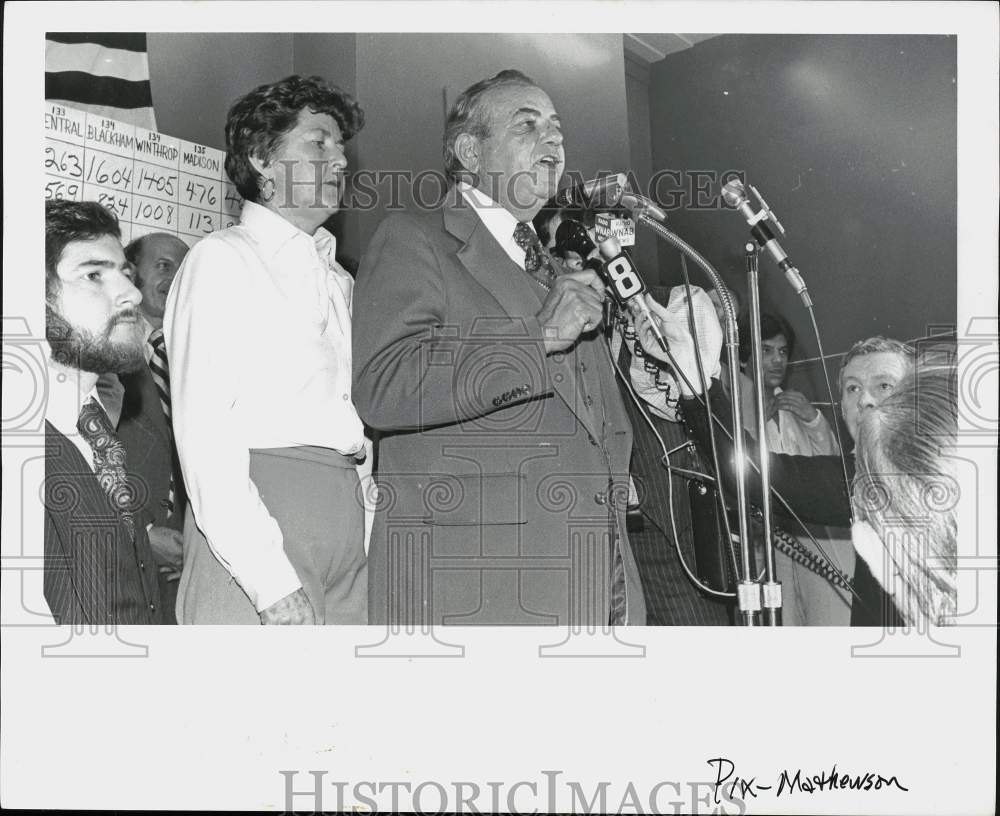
<point x="258" y="335"/>
<point x="786" y="433"/>
<point x="496" y="219"/>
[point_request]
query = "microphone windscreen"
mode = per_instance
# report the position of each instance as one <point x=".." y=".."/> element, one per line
<point x="571" y="236"/>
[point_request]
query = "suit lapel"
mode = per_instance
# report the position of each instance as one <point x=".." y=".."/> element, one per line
<point x="485" y="260"/>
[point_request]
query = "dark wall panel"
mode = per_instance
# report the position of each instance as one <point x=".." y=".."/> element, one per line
<point x="406" y="80"/>
<point x="852" y="140"/>
<point x="195" y="77"/>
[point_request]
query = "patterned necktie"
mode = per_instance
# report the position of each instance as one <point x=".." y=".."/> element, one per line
<point x="536" y="262"/>
<point x="161" y="379"/>
<point x="109" y="459"/>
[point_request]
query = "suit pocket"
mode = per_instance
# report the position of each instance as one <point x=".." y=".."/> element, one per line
<point x="475" y="499"/>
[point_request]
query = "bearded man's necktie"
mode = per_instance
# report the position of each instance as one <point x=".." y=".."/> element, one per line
<point x="109" y="459"/>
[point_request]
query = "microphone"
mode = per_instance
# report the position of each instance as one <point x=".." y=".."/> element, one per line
<point x="640" y="205"/>
<point x="601" y="193"/>
<point x="735" y="196"/>
<point x="625" y="285"/>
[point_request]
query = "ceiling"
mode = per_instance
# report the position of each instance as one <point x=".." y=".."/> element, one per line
<point x="651" y="48"/>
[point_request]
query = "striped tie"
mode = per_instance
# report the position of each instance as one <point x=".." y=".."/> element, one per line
<point x="161" y="379"/>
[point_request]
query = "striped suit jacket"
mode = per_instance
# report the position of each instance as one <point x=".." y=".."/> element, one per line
<point x="671" y="598"/>
<point x="96" y="571"/>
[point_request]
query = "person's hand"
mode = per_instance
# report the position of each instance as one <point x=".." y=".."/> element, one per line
<point x="796" y="403"/>
<point x="168" y="550"/>
<point x="291" y="610"/>
<point x="672" y="321"/>
<point x="573" y="306"/>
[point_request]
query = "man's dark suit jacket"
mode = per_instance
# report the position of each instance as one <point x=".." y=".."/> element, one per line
<point x="152" y="458"/>
<point x="144" y="431"/>
<point x="95" y="571"/>
<point x="812" y="485"/>
<point x="497" y="464"/>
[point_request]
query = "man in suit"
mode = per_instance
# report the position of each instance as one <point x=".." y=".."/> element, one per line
<point x="814" y="486"/>
<point x="503" y="443"/>
<point x="99" y="567"/>
<point x="144" y="426"/>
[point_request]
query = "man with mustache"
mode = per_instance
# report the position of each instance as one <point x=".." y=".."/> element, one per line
<point x="145" y="426"/>
<point x="99" y="567"/>
<point x="504" y="446"/>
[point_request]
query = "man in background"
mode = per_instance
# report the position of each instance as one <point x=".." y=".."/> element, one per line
<point x="815" y="487"/>
<point x="812" y="594"/>
<point x="144" y="426"/>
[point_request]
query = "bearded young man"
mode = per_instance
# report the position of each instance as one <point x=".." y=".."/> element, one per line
<point x="99" y="567"/>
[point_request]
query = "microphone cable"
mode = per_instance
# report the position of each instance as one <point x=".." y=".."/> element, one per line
<point x="665" y="461"/>
<point x="833" y="408"/>
<point x="846" y="582"/>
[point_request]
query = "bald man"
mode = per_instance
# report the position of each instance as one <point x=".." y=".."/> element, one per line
<point x="145" y="418"/>
<point x="155" y="259"/>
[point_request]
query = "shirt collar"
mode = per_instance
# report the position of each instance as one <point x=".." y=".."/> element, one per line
<point x="64" y="400"/>
<point x="273" y="232"/>
<point x="495" y="218"/>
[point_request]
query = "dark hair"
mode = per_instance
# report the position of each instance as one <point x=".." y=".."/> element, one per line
<point x="571" y="236"/>
<point x="543" y="219"/>
<point x="470" y="115"/>
<point x="770" y="326"/>
<point x="258" y="121"/>
<point x="69" y="221"/>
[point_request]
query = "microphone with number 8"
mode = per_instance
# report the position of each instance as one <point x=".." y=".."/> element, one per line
<point x="626" y="287"/>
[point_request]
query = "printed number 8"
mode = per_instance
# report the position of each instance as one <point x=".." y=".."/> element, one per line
<point x="623" y="277"/>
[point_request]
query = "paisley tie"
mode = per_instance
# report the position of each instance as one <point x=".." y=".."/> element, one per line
<point x="109" y="459"/>
<point x="536" y="262"/>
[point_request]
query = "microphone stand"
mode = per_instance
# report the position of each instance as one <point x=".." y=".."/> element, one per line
<point x="648" y="214"/>
<point x="771" y="587"/>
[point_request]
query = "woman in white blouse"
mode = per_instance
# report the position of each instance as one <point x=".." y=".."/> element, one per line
<point x="258" y="330"/>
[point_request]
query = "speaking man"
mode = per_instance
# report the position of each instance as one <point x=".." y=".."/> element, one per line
<point x="503" y="443"/>
<point x="99" y="568"/>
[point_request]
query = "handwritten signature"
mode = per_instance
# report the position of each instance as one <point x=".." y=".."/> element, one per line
<point x="733" y="785"/>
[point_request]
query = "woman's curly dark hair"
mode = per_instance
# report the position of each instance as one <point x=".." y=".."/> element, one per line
<point x="258" y="121"/>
